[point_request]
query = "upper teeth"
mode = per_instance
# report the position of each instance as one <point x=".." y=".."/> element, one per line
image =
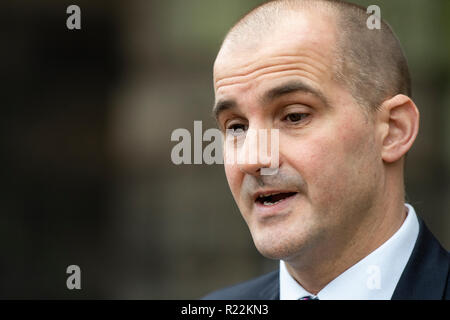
<point x="267" y="195"/>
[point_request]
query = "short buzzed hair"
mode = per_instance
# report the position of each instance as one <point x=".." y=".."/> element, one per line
<point x="369" y="62"/>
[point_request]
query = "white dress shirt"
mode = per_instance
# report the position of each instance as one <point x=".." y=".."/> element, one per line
<point x="372" y="278"/>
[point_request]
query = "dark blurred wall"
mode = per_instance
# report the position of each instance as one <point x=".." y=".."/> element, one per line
<point x="86" y="122"/>
<point x="56" y="169"/>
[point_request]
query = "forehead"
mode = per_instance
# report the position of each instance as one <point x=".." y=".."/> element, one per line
<point x="302" y="44"/>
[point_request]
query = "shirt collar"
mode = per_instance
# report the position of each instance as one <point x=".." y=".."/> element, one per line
<point x="372" y="278"/>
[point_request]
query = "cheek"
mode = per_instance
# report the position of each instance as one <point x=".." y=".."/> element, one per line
<point x="316" y="160"/>
<point x="234" y="178"/>
<point x="330" y="162"/>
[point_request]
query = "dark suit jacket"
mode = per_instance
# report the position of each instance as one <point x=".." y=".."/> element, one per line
<point x="426" y="276"/>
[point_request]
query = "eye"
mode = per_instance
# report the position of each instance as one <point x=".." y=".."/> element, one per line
<point x="296" y="117"/>
<point x="236" y="129"/>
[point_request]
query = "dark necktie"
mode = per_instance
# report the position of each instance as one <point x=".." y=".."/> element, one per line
<point x="308" y="298"/>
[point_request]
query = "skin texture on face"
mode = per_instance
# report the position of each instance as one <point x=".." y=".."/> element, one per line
<point x="330" y="151"/>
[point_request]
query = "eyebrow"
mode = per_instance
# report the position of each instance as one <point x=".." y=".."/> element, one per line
<point x="272" y="94"/>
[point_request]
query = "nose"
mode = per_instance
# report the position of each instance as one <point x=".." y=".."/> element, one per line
<point x="259" y="154"/>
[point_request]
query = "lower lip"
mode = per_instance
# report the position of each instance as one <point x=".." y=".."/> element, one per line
<point x="275" y="209"/>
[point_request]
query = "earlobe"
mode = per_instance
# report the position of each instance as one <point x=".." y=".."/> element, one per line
<point x="402" y="118"/>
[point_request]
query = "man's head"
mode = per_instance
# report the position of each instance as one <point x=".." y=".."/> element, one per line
<point x="338" y="94"/>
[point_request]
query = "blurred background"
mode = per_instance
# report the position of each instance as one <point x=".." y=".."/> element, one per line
<point x="86" y="120"/>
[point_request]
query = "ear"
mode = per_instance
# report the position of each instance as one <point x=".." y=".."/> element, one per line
<point x="399" y="119"/>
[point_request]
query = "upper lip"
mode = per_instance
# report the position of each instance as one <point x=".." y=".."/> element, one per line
<point x="266" y="193"/>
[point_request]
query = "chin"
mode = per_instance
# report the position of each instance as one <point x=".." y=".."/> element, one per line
<point x="278" y="247"/>
<point x="283" y="238"/>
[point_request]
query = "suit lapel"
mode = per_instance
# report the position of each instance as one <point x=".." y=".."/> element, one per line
<point x="425" y="274"/>
<point x="271" y="290"/>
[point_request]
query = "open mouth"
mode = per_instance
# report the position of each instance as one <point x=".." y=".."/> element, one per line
<point x="274" y="198"/>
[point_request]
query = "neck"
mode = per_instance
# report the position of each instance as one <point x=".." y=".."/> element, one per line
<point x="314" y="269"/>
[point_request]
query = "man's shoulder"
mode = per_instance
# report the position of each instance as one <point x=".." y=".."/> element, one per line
<point x="265" y="287"/>
<point x="426" y="275"/>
